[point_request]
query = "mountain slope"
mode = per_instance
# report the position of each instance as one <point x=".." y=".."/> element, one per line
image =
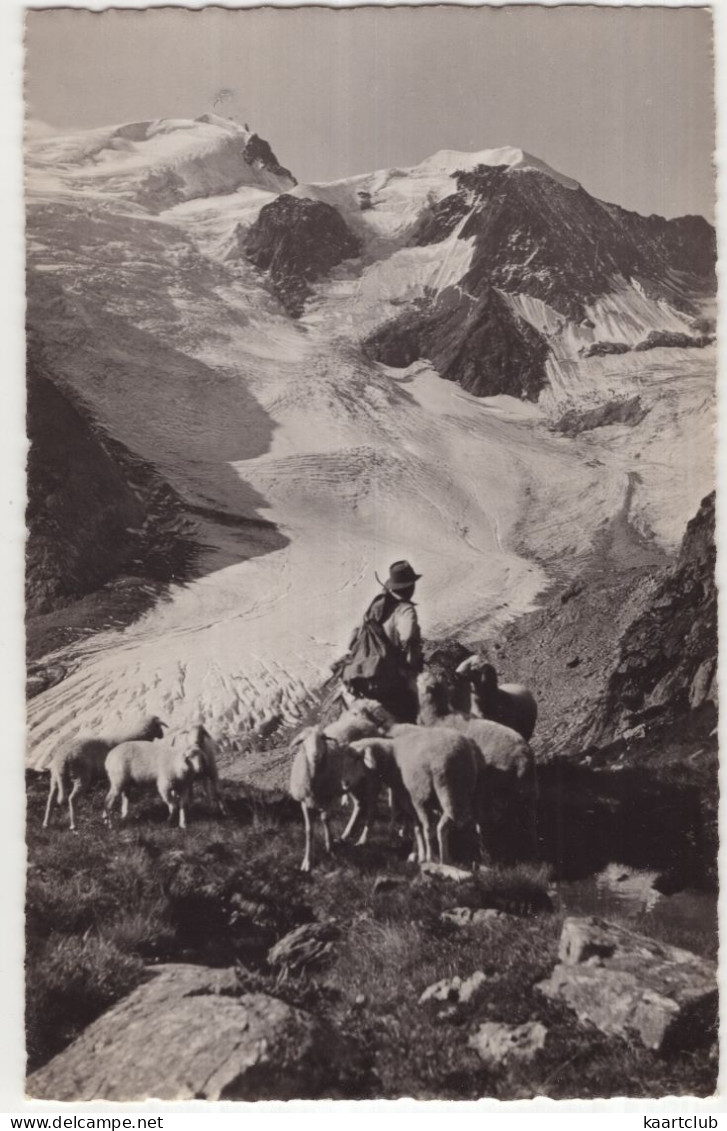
<point x="303" y="465"/>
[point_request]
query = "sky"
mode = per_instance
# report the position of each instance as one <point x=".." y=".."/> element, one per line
<point x="621" y="99"/>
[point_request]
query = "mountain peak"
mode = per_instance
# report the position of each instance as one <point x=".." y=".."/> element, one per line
<point x="452" y="160"/>
<point x="159" y="163"/>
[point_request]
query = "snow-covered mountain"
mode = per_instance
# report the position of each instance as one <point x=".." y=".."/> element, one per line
<point x="269" y="359"/>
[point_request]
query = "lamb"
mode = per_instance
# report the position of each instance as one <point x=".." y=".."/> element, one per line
<point x="315" y="776"/>
<point x="422" y="766"/>
<point x="171" y="768"/>
<point x="74" y="766"/>
<point x="511" y="704"/>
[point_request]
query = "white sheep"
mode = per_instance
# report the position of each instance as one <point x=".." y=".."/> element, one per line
<point x="171" y="769"/>
<point x="315" y="775"/>
<point x="75" y="765"/>
<point x="315" y="782"/>
<point x="423" y="767"/>
<point x="208" y="774"/>
<point x="511" y="704"/>
<point x="502" y="748"/>
<point x="507" y="761"/>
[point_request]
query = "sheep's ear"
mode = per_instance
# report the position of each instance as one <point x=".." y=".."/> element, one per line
<point x="467" y="665"/>
<point x="163" y="724"/>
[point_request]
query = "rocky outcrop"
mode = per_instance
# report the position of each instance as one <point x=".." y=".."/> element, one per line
<point x="80" y="505"/>
<point x="258" y="153"/>
<point x="667" y="660"/>
<point x="629" y="411"/>
<point x="296" y="241"/>
<point x="673" y="340"/>
<point x="98" y="516"/>
<point x="535" y="236"/>
<point x="190" y="1034"/>
<point x="496" y="1043"/>
<point x="476" y="341"/>
<point x="630" y="985"/>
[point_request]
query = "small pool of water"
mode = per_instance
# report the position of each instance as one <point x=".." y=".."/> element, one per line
<point x="687" y="918"/>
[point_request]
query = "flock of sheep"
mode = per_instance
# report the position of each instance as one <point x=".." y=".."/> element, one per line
<point x="470" y="744"/>
<point x="455" y="760"/>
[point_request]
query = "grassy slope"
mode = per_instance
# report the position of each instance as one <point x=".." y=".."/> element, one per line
<point x="101" y="905"/>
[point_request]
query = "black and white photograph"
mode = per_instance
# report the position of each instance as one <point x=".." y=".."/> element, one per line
<point x="371" y="746"/>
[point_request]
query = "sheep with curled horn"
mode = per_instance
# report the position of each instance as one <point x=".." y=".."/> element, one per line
<point x="78" y="762"/>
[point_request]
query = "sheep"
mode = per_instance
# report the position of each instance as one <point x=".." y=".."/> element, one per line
<point x="507" y="761"/>
<point x="315" y="776"/>
<point x="208" y="774"/>
<point x="511" y="704"/>
<point x="315" y="782"/>
<point x="171" y="768"/>
<point x="74" y="766"/>
<point x="421" y="767"/>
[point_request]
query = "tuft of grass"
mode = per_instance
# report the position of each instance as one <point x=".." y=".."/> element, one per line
<point x="73" y="981"/>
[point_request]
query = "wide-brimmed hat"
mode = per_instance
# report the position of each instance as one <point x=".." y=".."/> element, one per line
<point x="401" y="576"/>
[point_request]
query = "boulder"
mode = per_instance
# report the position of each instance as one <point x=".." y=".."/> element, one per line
<point x="471" y="916"/>
<point x="451" y="871"/>
<point x="628" y="985"/>
<point x="496" y="1043"/>
<point x="304" y="948"/>
<point x="455" y="990"/>
<point x="188" y="1034"/>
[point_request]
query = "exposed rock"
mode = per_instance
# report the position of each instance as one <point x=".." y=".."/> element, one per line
<point x="189" y="1034"/>
<point x="666" y="657"/>
<point x="535" y="236"/>
<point x="455" y="990"/>
<point x="297" y="241"/>
<point x="627" y="984"/>
<point x="673" y="340"/>
<point x="383" y="884"/>
<point x="475" y="340"/>
<point x="258" y="153"/>
<point x="496" y="1043"/>
<point x="603" y="349"/>
<point x="628" y="411"/>
<point x="304" y="948"/>
<point x="471" y="916"/>
<point x="447" y="871"/>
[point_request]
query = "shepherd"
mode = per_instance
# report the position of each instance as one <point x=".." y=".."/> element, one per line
<point x="385" y="653"/>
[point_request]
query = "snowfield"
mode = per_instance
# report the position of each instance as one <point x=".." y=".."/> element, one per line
<point x="184" y="355"/>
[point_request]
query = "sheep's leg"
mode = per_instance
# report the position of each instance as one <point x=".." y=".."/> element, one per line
<point x="51" y="794"/>
<point x="109" y="803"/>
<point x="420" y="849"/>
<point x="184" y="796"/>
<point x="422" y="834"/>
<point x="352" y="819"/>
<point x="326" y="831"/>
<point x="77" y="787"/>
<point x="124" y="805"/>
<point x="443" y="830"/>
<point x="306" y="864"/>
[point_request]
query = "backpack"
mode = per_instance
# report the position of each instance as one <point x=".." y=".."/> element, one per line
<point x="372" y="662"/>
